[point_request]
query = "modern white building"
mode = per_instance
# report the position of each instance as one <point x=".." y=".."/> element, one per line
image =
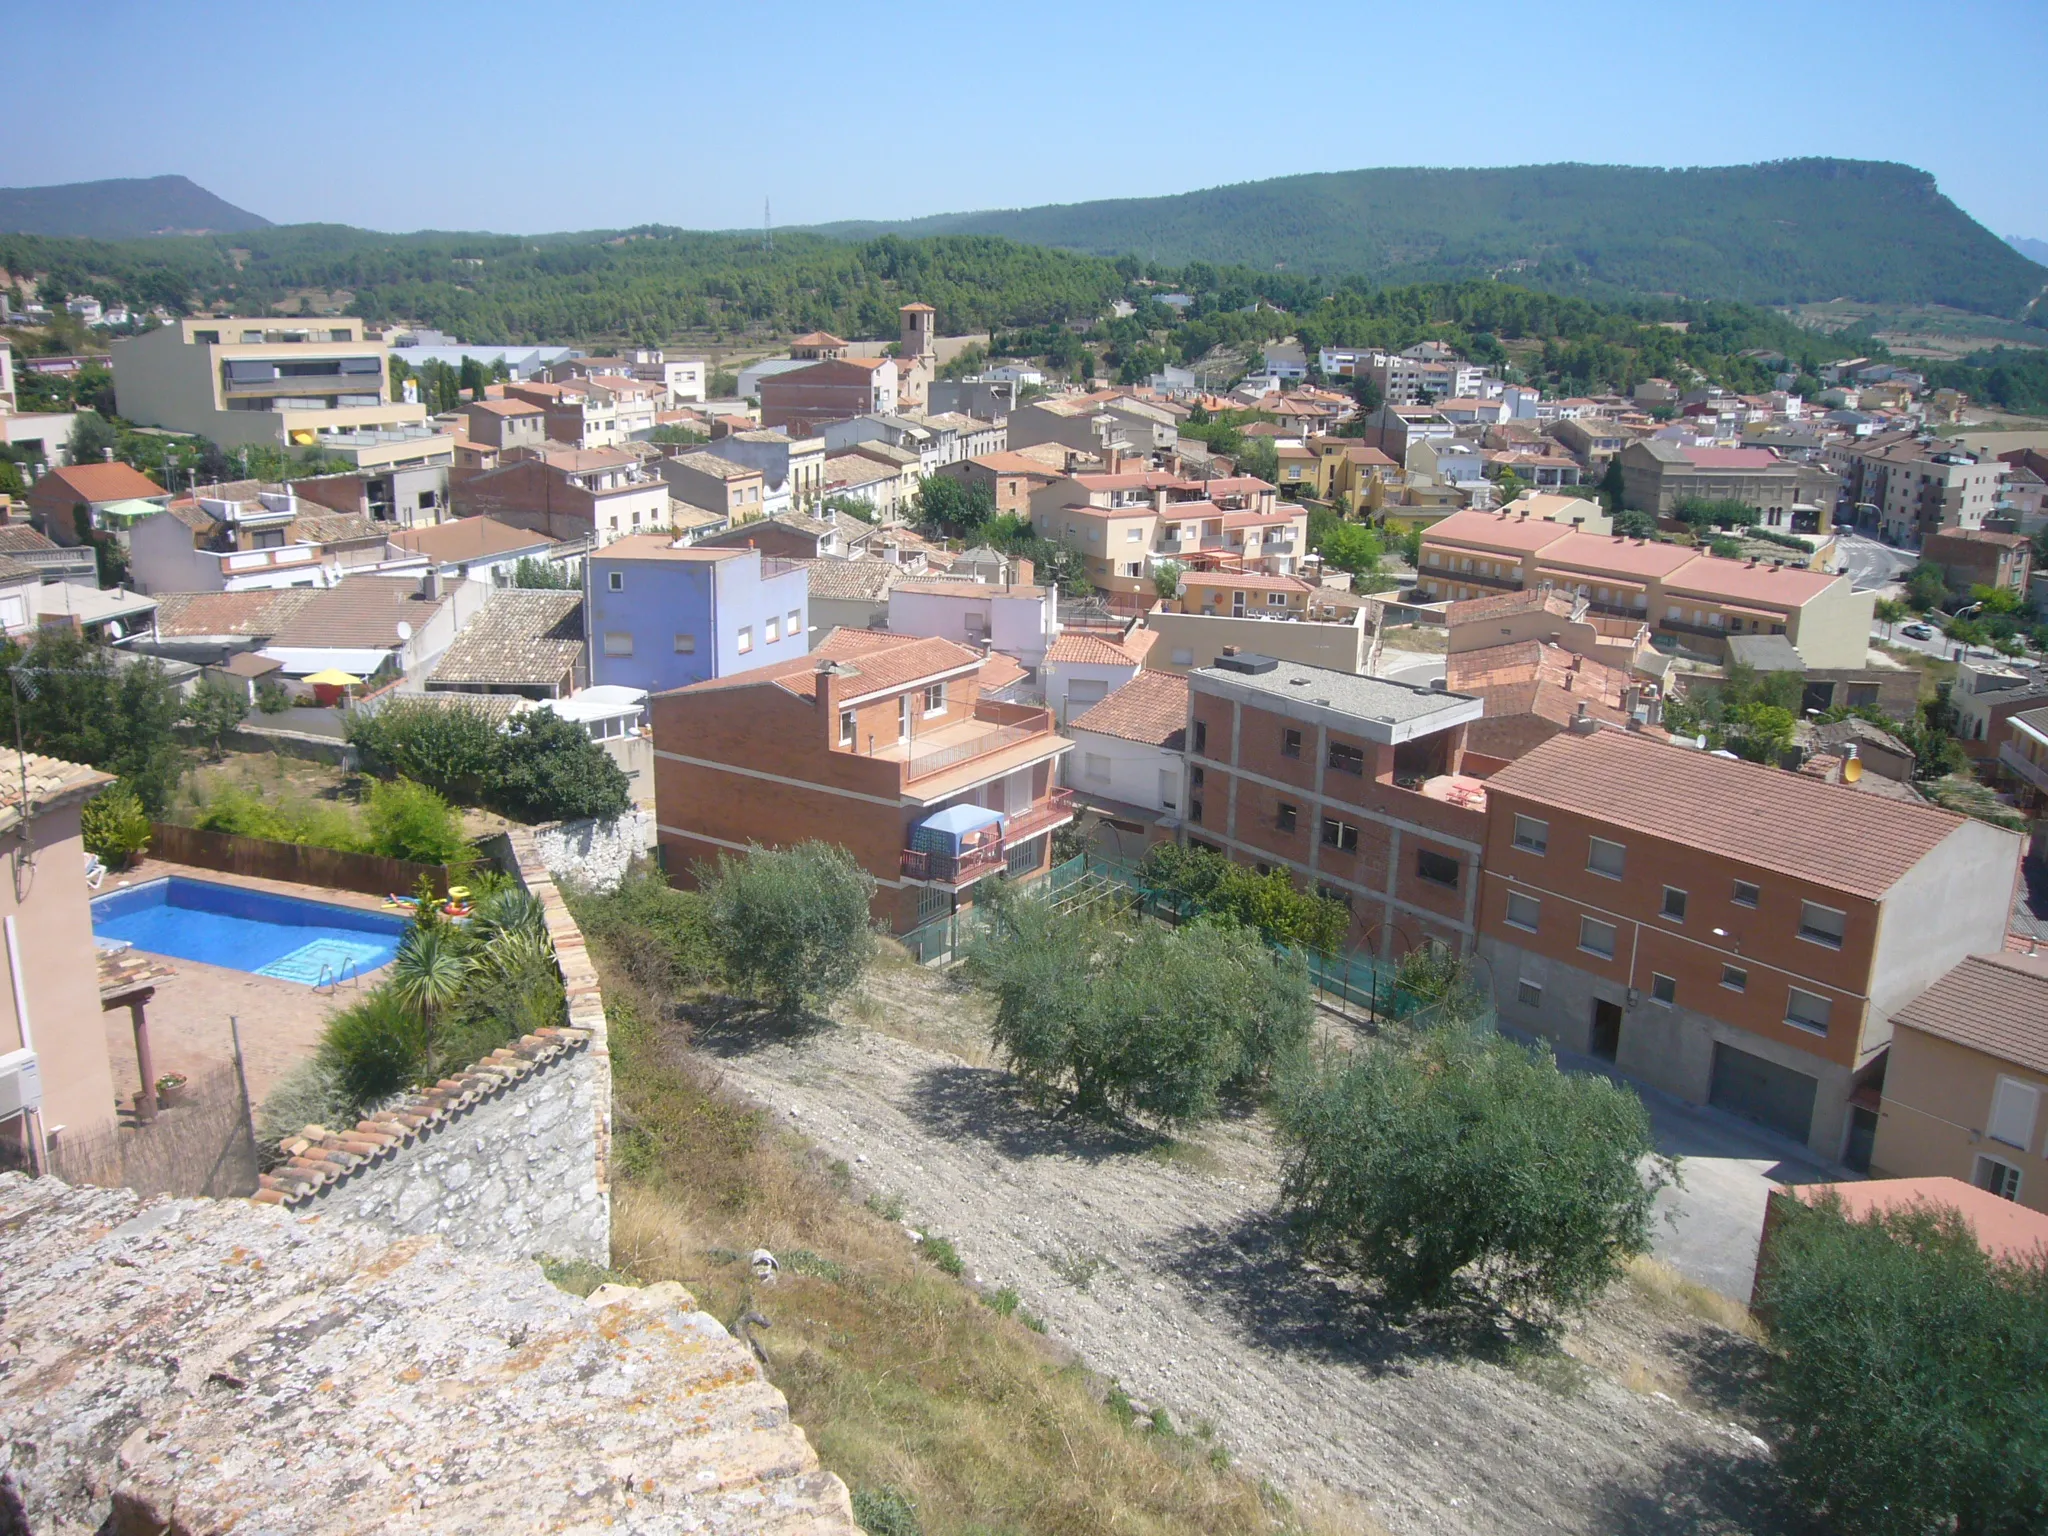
<point x="1020" y="621"/>
<point x="1128" y="765"/>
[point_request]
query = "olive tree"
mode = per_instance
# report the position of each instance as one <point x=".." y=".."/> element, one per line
<point x="791" y="924"/>
<point x="1909" y="1376"/>
<point x="1454" y="1165"/>
<point x="1141" y="1018"/>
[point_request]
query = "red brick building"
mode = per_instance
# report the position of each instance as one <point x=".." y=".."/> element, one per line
<point x="802" y="400"/>
<point x="1350" y="783"/>
<point x="858" y="744"/>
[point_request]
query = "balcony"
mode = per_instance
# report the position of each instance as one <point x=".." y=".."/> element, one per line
<point x="995" y="727"/>
<point x="958" y="870"/>
<point x="2017" y="763"/>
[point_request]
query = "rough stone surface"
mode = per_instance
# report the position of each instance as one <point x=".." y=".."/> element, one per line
<point x="512" y="1174"/>
<point x="204" y="1366"/>
<point x="594" y="853"/>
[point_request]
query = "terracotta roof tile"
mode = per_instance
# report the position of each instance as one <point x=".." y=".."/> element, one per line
<point x="1823" y="833"/>
<point x="467" y="538"/>
<point x="1997" y="1004"/>
<point x="42" y="781"/>
<point x="522" y="637"/>
<point x="1475" y="610"/>
<point x="100" y="482"/>
<point x="363" y="611"/>
<point x="256" y="614"/>
<point x="1151" y="708"/>
<point x="19" y="538"/>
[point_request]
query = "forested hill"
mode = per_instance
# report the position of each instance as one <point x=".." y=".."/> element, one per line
<point x="1792" y="231"/>
<point x="121" y="210"/>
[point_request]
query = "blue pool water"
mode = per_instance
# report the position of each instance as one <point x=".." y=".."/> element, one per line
<point x="244" y="930"/>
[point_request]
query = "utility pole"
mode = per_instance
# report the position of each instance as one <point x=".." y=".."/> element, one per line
<point x="767" y="228"/>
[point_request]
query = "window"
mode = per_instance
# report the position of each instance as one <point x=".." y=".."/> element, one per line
<point x="746" y="640"/>
<point x="1523" y="910"/>
<point x="1290" y="743"/>
<point x="1340" y="835"/>
<point x="686" y="643"/>
<point x="1734" y="978"/>
<point x="1532" y="835"/>
<point x="1195" y="814"/>
<point x="1276" y="599"/>
<point x="1674" y="904"/>
<point x="1596" y="937"/>
<point x="1285" y="817"/>
<point x="2001" y="1179"/>
<point x="618" y="642"/>
<point x="771" y="632"/>
<point x="2013" y="1104"/>
<point x="1605" y="858"/>
<point x="1529" y="994"/>
<point x="1822" y="925"/>
<point x="846" y="728"/>
<point x="1195" y="778"/>
<point x="1663" y="989"/>
<point x="1096" y="767"/>
<point x="1201" y="735"/>
<point x="1746" y="895"/>
<point x="1183" y="656"/>
<point x="1436" y="868"/>
<point x="617" y="581"/>
<point x="1347" y="759"/>
<point x="1134" y="535"/>
<point x="934" y="699"/>
<point x="1807" y="1011"/>
<point x="794" y="625"/>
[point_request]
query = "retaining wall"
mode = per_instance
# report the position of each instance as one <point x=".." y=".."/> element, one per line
<point x="591" y="852"/>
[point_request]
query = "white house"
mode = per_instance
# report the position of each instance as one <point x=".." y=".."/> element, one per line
<point x="1084" y="668"/>
<point x="1020" y="621"/>
<point x="1128" y="766"/>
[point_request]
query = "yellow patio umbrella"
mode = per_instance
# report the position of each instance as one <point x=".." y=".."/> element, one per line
<point x="334" y="677"/>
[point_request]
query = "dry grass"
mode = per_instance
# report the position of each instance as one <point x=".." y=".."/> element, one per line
<point x="1429" y="639"/>
<point x="1666" y="1290"/>
<point x="905" y="1379"/>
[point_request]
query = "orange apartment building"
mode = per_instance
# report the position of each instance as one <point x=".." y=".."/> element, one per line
<point x="1350" y="783"/>
<point x="1126" y="521"/>
<point x="1727" y="932"/>
<point x="859" y="744"/>
<point x="1686" y="596"/>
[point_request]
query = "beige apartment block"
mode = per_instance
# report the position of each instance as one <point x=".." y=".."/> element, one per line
<point x="284" y="383"/>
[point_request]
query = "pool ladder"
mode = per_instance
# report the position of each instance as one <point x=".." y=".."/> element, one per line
<point x="330" y="981"/>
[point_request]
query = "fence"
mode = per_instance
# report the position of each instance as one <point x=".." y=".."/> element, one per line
<point x="202" y="1146"/>
<point x="264" y="859"/>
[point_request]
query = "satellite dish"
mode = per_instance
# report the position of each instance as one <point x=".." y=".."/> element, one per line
<point x="404" y="630"/>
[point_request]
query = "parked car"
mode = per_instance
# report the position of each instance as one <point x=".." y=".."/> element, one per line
<point x="1918" y="631"/>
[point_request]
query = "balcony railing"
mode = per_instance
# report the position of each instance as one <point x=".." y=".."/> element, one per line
<point x="958" y="869"/>
<point x="1015" y="723"/>
<point x="2018" y="763"/>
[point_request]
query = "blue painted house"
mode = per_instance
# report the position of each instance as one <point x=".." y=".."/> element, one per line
<point x="658" y="615"/>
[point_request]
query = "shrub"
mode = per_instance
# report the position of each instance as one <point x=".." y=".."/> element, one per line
<point x="792" y="924"/>
<point x="660" y="936"/>
<point x="115" y="826"/>
<point x="1461" y="1164"/>
<point x="312" y="1093"/>
<point x="450" y="748"/>
<point x="1150" y="1019"/>
<point x="1908" y="1372"/>
<point x="214" y="708"/>
<point x="72" y="701"/>
<point x="272" y="697"/>
<point x="409" y="821"/>
<point x="885" y="1512"/>
<point x="548" y="770"/>
<point x="374" y="1048"/>
<point x="1271" y="903"/>
<point x="236" y="809"/>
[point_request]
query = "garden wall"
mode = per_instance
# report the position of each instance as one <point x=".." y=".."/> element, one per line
<point x="265" y="859"/>
<point x="511" y="1157"/>
<point x="594" y="853"/>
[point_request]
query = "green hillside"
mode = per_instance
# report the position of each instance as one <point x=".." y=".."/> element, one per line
<point x="120" y="210"/>
<point x="1789" y="232"/>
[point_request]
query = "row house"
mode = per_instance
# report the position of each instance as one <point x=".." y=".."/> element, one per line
<point x="1351" y="784"/>
<point x="593" y="494"/>
<point x="1689" y="598"/>
<point x="676" y="380"/>
<point x="792" y="468"/>
<point x="802" y="400"/>
<point x="722" y="486"/>
<point x="1011" y="479"/>
<point x="231" y="538"/>
<point x="1725" y="931"/>
<point x="883" y="744"/>
<point x="1656" y="475"/>
<point x="574" y="413"/>
<point x="1909" y="488"/>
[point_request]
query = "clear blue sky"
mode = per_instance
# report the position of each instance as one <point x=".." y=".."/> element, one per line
<point x="532" y="117"/>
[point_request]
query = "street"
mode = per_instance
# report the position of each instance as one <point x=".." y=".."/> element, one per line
<point x="1871" y="563"/>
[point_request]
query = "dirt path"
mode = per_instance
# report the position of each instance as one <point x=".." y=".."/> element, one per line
<point x="1162" y="1266"/>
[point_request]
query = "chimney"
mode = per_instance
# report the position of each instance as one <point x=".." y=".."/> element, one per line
<point x="1230" y="650"/>
<point x="430" y="584"/>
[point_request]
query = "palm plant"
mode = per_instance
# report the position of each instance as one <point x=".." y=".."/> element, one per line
<point x="429" y="973"/>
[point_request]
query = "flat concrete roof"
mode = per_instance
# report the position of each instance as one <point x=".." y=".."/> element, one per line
<point x="1373" y="707"/>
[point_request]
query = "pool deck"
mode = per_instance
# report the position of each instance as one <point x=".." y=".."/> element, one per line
<point x="281" y="1021"/>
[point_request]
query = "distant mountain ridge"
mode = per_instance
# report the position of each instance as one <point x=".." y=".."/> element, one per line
<point x="2034" y="250"/>
<point x="124" y="209"/>
<point x="1791" y="231"/>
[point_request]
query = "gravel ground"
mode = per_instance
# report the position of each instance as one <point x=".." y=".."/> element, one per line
<point x="1161" y="1265"/>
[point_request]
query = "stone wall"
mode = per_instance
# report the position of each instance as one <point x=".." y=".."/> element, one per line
<point x="594" y="853"/>
<point x="511" y="1157"/>
<point x="209" y="1367"/>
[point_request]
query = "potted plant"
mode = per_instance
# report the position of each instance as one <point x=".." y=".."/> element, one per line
<point x="170" y="1090"/>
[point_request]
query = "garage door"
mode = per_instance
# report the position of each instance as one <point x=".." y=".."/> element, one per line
<point x="1763" y="1091"/>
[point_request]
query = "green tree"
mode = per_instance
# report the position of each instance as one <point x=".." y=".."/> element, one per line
<point x="70" y="699"/>
<point x="1635" y="525"/>
<point x="1611" y="488"/>
<point x="431" y="968"/>
<point x="1997" y="599"/>
<point x="214" y="708"/>
<point x="1351" y="547"/>
<point x="1761" y="732"/>
<point x="792" y="925"/>
<point x="1272" y="904"/>
<point x="409" y="821"/>
<point x="453" y="748"/>
<point x="473" y="379"/>
<point x="537" y="574"/>
<point x="1166" y="579"/>
<point x="1909" y="1372"/>
<point x="547" y="769"/>
<point x="93" y="437"/>
<point x="1369" y="396"/>
<point x="952" y="506"/>
<point x="1461" y="1166"/>
<point x="1510" y="485"/>
<point x="1699" y="513"/>
<point x="1889" y="611"/>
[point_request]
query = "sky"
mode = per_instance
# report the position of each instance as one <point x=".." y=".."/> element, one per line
<point x="528" y="118"/>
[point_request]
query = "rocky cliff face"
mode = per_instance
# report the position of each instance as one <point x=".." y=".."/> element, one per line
<point x="200" y="1366"/>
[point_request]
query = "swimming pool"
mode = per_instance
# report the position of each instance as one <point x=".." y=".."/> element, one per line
<point x="230" y="925"/>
